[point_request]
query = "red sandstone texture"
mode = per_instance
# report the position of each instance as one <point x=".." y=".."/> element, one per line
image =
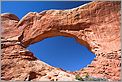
<point x="95" y="25"/>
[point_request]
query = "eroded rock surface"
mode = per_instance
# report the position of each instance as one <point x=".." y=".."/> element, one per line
<point x="95" y="25"/>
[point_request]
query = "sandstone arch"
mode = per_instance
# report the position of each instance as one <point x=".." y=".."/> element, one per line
<point x="95" y="25"/>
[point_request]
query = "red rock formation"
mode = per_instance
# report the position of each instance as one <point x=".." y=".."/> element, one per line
<point x="8" y="23"/>
<point x="95" y="25"/>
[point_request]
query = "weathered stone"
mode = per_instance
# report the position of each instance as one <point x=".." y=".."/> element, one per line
<point x="8" y="24"/>
<point x="95" y="25"/>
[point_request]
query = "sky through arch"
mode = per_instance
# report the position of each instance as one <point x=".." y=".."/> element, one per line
<point x="62" y="52"/>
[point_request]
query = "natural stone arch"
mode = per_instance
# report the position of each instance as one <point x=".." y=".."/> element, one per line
<point x="86" y="24"/>
<point x="95" y="25"/>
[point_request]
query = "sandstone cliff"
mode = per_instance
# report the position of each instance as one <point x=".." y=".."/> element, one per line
<point x="95" y="25"/>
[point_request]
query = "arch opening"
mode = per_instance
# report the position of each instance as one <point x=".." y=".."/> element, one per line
<point x="62" y="52"/>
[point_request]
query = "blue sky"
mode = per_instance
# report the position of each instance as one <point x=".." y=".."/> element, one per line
<point x="61" y="52"/>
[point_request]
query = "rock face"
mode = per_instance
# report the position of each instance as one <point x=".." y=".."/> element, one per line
<point x="95" y="25"/>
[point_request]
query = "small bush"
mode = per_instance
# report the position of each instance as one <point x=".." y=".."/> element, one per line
<point x="77" y="77"/>
<point x="86" y="77"/>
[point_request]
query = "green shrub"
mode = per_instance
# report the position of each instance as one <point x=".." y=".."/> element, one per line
<point x="77" y="77"/>
<point x="86" y="77"/>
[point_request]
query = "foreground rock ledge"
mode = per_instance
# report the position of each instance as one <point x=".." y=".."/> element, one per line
<point x="95" y="25"/>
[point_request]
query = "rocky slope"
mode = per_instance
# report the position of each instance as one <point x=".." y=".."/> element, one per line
<point x="95" y="25"/>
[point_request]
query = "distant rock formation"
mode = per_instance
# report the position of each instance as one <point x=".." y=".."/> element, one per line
<point x="95" y="25"/>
